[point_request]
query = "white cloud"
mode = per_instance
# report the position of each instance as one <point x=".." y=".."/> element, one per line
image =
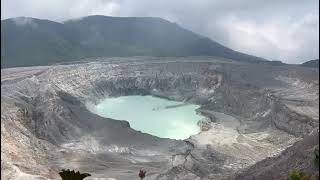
<point x="57" y="10"/>
<point x="287" y="30"/>
<point x="291" y="41"/>
<point x="23" y="21"/>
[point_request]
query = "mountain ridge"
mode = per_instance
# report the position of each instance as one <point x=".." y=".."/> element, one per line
<point x="312" y="63"/>
<point x="45" y="42"/>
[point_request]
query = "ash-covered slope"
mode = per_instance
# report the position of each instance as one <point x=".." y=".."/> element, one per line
<point x="299" y="156"/>
<point x="253" y="111"/>
<point x="44" y="42"/>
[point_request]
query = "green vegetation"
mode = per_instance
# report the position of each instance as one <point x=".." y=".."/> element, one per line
<point x="43" y="42"/>
<point x="298" y="175"/>
<point x="72" y="175"/>
<point x="316" y="159"/>
<point x="142" y="174"/>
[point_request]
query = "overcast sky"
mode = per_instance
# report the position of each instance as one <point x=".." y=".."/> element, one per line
<point x="286" y="30"/>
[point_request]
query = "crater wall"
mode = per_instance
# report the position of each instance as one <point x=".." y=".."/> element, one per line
<point x="254" y="111"/>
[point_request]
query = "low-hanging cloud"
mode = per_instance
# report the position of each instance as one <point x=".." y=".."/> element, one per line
<point x="24" y="21"/>
<point x="286" y="30"/>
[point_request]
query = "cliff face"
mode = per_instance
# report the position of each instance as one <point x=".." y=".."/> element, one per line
<point x="254" y="111"/>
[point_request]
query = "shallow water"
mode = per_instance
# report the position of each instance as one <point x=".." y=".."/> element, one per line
<point x="152" y="115"/>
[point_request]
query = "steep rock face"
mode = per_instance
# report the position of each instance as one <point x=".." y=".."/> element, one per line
<point x="299" y="156"/>
<point x="254" y="111"/>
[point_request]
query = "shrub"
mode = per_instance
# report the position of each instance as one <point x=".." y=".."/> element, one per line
<point x="142" y="174"/>
<point x="298" y="175"/>
<point x="316" y="159"/>
<point x="72" y="175"/>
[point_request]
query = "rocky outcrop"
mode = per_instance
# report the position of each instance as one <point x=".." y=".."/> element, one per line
<point x="299" y="156"/>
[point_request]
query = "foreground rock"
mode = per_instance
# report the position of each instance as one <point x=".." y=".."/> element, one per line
<point x="300" y="157"/>
<point x="253" y="111"/>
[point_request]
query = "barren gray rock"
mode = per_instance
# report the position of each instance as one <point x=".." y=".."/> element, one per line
<point x="300" y="156"/>
<point x="254" y="111"/>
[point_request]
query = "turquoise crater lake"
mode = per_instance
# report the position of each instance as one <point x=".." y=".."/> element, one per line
<point x="152" y="115"/>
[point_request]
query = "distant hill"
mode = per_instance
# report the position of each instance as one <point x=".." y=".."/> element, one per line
<point x="30" y="41"/>
<point x="312" y="63"/>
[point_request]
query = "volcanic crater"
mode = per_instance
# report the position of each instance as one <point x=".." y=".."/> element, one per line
<point x="251" y="111"/>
